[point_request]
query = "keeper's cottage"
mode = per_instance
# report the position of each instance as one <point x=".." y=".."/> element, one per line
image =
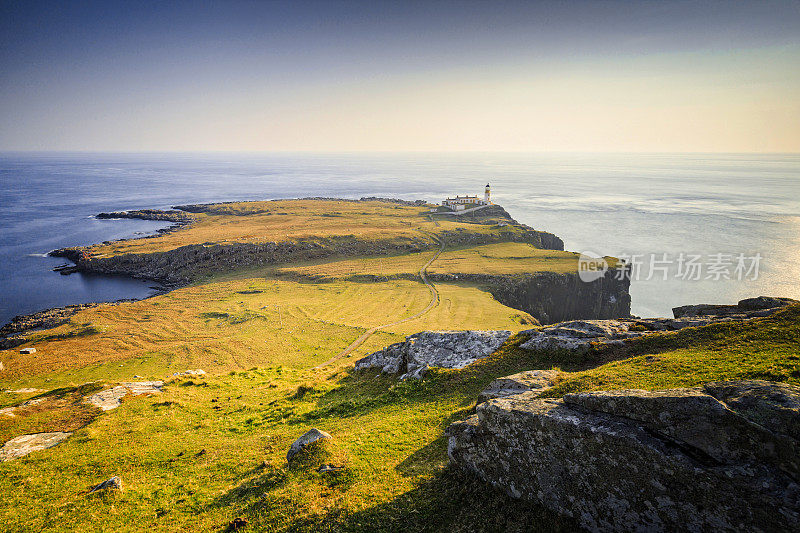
<point x="460" y="203"/>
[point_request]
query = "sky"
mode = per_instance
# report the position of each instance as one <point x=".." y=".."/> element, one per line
<point x="594" y="76"/>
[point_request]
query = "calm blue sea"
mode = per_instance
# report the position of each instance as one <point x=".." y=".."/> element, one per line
<point x="653" y="208"/>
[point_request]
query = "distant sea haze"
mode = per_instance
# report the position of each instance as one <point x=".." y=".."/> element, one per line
<point x="733" y="219"/>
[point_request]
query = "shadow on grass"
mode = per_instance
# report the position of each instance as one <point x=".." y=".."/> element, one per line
<point x="450" y="501"/>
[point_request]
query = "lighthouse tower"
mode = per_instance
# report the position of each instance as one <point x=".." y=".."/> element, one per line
<point x="487" y="195"/>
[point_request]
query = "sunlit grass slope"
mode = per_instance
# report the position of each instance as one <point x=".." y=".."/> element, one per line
<point x="506" y="258"/>
<point x="211" y="449"/>
<point x="239" y="324"/>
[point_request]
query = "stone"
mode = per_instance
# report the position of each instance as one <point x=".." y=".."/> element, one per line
<point x="2" y="366"/>
<point x="25" y="444"/>
<point x="441" y="349"/>
<point x="578" y="335"/>
<point x="309" y="437"/>
<point x="536" y="381"/>
<point x="198" y="372"/>
<point x="108" y="399"/>
<point x="27" y="351"/>
<point x="718" y="457"/>
<point x="113" y="483"/>
<point x="112" y="398"/>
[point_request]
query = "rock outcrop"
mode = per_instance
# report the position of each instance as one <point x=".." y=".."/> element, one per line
<point x="443" y="349"/>
<point x="579" y="335"/>
<point x="582" y="335"/>
<point x="748" y="308"/>
<point x="25" y="444"/>
<point x="534" y="382"/>
<point x="112" y="398"/>
<point x="724" y="456"/>
<point x="111" y="484"/>
<point x="14" y="333"/>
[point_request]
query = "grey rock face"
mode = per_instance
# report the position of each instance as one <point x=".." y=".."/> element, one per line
<point x="443" y="349"/>
<point x="310" y="436"/>
<point x="112" y="398"/>
<point x="114" y="483"/>
<point x="25" y="444"/>
<point x="747" y="307"/>
<point x="719" y="457"/>
<point x="535" y="381"/>
<point x="579" y="335"/>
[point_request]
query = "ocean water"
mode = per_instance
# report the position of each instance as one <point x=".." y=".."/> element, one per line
<point x="728" y="214"/>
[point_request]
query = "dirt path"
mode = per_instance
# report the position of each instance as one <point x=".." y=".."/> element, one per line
<point x="367" y="334"/>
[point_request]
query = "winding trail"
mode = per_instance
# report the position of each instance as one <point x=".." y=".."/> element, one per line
<point x="367" y="334"/>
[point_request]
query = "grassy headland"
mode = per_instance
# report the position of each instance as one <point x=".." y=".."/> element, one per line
<point x="211" y="448"/>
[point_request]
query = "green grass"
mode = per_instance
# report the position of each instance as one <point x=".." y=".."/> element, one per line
<point x="392" y="434"/>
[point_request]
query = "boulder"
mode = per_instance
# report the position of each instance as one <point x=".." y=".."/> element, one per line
<point x="309" y="437"/>
<point x="718" y="457"/>
<point x="579" y="335"/>
<point x="535" y="381"/>
<point x="25" y="444"/>
<point x="113" y="483"/>
<point x="27" y="351"/>
<point x="442" y="349"/>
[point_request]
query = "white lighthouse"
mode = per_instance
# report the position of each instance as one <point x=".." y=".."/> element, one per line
<point x="487" y="195"/>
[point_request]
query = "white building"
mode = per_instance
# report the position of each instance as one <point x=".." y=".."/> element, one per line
<point x="460" y="203"/>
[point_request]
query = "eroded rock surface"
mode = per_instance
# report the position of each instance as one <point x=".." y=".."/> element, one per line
<point x="530" y="381"/>
<point x="579" y="335"/>
<point x="25" y="444"/>
<point x="443" y="349"/>
<point x="719" y="457"/>
<point x="112" y="398"/>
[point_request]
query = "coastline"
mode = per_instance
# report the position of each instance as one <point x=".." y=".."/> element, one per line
<point x="174" y="272"/>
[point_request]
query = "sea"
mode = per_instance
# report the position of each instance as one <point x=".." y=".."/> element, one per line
<point x="698" y="228"/>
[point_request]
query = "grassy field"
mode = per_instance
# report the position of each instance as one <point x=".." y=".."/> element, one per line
<point x="505" y="258"/>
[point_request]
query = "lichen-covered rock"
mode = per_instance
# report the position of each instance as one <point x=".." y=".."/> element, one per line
<point x="578" y="335"/>
<point x="112" y="398"/>
<point x="679" y="460"/>
<point x="113" y="483"/>
<point x="309" y="437"/>
<point x="442" y="349"/>
<point x="536" y="381"/>
<point x="25" y="444"/>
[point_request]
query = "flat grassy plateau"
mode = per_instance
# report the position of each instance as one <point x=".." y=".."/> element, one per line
<point x="212" y="448"/>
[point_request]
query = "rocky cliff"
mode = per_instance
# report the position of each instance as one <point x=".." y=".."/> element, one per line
<point x="721" y="457"/>
<point x="181" y="265"/>
<point x="551" y="297"/>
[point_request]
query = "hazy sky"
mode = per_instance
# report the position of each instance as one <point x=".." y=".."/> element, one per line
<point x="330" y="76"/>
